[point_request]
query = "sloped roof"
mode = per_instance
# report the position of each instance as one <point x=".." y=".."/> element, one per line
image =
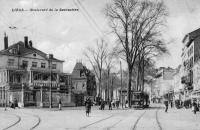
<point x="24" y="51"/>
<point x="77" y="70"/>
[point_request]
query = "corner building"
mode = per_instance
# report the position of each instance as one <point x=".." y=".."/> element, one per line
<point x="32" y="77"/>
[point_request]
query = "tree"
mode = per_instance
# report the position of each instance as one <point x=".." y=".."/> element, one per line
<point x="109" y="65"/>
<point x="96" y="57"/>
<point x="135" y="22"/>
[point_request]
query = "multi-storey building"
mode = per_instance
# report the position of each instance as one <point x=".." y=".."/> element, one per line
<point x="31" y="76"/>
<point x="190" y="55"/>
<point x="196" y="79"/>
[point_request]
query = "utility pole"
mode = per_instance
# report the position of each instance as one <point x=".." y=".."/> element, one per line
<point x="50" y="91"/>
<point x="121" y="83"/>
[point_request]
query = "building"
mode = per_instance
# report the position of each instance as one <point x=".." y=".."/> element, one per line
<point x="190" y="56"/>
<point x="196" y="79"/>
<point x="83" y="84"/>
<point x="178" y="86"/>
<point x="164" y="83"/>
<point x="30" y="76"/>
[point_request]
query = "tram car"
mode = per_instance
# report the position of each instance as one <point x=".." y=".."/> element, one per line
<point x="140" y="100"/>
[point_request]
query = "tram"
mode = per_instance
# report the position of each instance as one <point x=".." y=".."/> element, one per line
<point x="140" y="100"/>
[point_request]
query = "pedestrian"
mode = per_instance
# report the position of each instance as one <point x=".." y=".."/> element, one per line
<point x="171" y="103"/>
<point x="110" y="105"/>
<point x="126" y="105"/>
<point x="166" y="105"/>
<point x="88" y="104"/>
<point x="59" y="104"/>
<point x="15" y="103"/>
<point x="194" y="106"/>
<point x="117" y="104"/>
<point x="103" y="104"/>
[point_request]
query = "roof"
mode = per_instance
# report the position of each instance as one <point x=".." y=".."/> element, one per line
<point x="191" y="36"/>
<point x="76" y="73"/>
<point x="24" y="51"/>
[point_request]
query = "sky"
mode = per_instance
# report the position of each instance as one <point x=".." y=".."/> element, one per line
<point x="67" y="33"/>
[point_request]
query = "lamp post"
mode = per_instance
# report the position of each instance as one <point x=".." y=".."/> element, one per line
<point x="5" y="98"/>
<point x="50" y="91"/>
<point x="41" y="96"/>
<point x="22" y="95"/>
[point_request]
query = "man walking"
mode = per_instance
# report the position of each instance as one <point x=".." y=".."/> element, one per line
<point x="88" y="104"/>
<point x="166" y="105"/>
<point x="60" y="104"/>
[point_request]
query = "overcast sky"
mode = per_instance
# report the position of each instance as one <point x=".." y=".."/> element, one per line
<point x="67" y="33"/>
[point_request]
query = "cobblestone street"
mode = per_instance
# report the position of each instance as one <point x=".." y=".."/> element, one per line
<point x="153" y="118"/>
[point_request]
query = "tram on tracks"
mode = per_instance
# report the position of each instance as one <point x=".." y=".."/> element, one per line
<point x="140" y="100"/>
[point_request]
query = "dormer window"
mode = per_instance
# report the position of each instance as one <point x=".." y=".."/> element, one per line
<point x="13" y="51"/>
<point x="34" y="55"/>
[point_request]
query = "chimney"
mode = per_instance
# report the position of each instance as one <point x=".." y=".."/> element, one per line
<point x="5" y="41"/>
<point x="30" y="44"/>
<point x="50" y="56"/>
<point x="26" y="41"/>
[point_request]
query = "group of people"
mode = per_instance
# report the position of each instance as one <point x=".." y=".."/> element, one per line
<point x="194" y="105"/>
<point x="14" y="103"/>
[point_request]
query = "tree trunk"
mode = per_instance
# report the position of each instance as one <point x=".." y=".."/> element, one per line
<point x="129" y="87"/>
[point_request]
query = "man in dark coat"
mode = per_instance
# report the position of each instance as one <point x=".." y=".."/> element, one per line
<point x="59" y="103"/>
<point x="88" y="104"/>
<point x="166" y="105"/>
<point x="194" y="106"/>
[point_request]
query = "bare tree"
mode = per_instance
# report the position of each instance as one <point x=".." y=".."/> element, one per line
<point x="135" y="22"/>
<point x="109" y="61"/>
<point x="97" y="56"/>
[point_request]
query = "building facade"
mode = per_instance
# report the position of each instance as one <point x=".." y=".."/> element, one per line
<point x="30" y="76"/>
<point x="190" y="56"/>
<point x="178" y="86"/>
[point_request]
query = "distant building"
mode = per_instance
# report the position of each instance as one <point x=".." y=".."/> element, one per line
<point x="31" y="76"/>
<point x="164" y="83"/>
<point x="178" y="86"/>
<point x="83" y="84"/>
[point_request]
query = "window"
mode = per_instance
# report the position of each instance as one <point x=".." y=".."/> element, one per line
<point x="53" y="66"/>
<point x="24" y="63"/>
<point x="43" y="65"/>
<point x="11" y="62"/>
<point x="34" y="64"/>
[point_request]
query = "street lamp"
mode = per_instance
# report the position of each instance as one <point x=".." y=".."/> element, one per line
<point x="22" y="95"/>
<point x="41" y="96"/>
<point x="50" y="91"/>
<point x="5" y="98"/>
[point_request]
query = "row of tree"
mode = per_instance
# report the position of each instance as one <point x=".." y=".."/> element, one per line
<point x="137" y="26"/>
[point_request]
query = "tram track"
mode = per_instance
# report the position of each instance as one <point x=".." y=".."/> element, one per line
<point x="38" y="122"/>
<point x="101" y="120"/>
<point x="157" y="120"/>
<point x="110" y="127"/>
<point x="84" y="127"/>
<point x="20" y="119"/>
<point x="141" y="116"/>
<point x="138" y="119"/>
<point x="15" y="123"/>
